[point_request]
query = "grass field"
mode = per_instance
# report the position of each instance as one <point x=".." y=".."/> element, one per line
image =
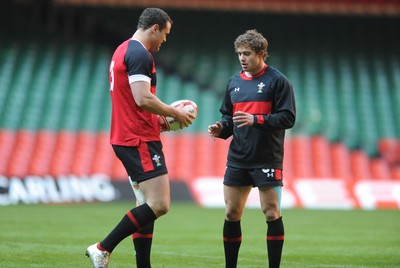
<point x="190" y="236"/>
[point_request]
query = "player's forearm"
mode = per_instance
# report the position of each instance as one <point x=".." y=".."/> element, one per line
<point x="154" y="105"/>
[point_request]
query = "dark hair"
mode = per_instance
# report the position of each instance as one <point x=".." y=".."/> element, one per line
<point x="254" y="40"/>
<point x="151" y="16"/>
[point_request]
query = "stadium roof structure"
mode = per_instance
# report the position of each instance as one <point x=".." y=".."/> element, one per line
<point x="344" y="7"/>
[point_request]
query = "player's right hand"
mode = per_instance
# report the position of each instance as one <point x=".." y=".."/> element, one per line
<point x="183" y="117"/>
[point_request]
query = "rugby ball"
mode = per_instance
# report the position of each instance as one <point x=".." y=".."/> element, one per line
<point x="168" y="123"/>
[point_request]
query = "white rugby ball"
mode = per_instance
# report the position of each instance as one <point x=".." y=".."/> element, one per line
<point x="168" y="123"/>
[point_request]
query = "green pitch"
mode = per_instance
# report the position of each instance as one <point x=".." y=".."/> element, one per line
<point x="190" y="236"/>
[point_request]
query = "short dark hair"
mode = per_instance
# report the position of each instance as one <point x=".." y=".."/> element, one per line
<point x="151" y="16"/>
<point x="254" y="40"/>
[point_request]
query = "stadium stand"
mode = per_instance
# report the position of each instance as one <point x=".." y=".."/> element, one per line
<point x="55" y="108"/>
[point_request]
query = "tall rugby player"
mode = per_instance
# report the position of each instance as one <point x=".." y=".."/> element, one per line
<point x="135" y="135"/>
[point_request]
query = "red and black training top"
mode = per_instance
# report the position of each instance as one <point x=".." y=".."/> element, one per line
<point x="269" y="97"/>
<point x="130" y="124"/>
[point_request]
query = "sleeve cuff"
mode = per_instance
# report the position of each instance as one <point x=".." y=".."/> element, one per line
<point x="259" y="119"/>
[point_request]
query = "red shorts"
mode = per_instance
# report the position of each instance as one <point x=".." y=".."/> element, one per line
<point x="143" y="162"/>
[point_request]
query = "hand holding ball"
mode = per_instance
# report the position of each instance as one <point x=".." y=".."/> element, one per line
<point x="168" y="123"/>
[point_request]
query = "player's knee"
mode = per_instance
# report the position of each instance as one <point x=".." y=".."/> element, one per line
<point x="233" y="215"/>
<point x="271" y="214"/>
<point x="160" y="209"/>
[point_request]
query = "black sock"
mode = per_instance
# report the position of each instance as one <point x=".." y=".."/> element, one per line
<point x="142" y="240"/>
<point x="275" y="238"/>
<point x="133" y="220"/>
<point x="232" y="239"/>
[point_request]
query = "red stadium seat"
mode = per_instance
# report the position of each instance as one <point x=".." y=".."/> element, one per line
<point x="395" y="172"/>
<point x="380" y="169"/>
<point x="302" y="158"/>
<point x="387" y="148"/>
<point x="341" y="166"/>
<point x="42" y="153"/>
<point x="7" y="141"/>
<point x="288" y="161"/>
<point x="21" y="154"/>
<point x="320" y="149"/>
<point x="184" y="156"/>
<point x="360" y="165"/>
<point x="204" y="151"/>
<point x="63" y="154"/>
<point x="168" y="142"/>
<point x="103" y="156"/>
<point x="83" y="154"/>
<point x="221" y="152"/>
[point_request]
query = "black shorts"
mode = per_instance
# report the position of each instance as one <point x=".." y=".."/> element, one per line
<point x="261" y="177"/>
<point x="143" y="162"/>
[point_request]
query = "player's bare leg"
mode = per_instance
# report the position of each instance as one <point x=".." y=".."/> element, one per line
<point x="157" y="194"/>
<point x="270" y="198"/>
<point x="235" y="201"/>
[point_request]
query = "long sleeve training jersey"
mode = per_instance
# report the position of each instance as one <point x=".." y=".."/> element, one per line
<point x="269" y="97"/>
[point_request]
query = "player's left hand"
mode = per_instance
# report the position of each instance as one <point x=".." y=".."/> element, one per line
<point x="244" y="119"/>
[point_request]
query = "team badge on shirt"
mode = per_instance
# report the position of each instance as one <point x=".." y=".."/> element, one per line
<point x="260" y="87"/>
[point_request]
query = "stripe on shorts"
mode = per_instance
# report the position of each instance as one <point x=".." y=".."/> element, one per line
<point x="145" y="157"/>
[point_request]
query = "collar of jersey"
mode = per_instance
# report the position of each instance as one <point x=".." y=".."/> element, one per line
<point x="247" y="76"/>
<point x="134" y="39"/>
